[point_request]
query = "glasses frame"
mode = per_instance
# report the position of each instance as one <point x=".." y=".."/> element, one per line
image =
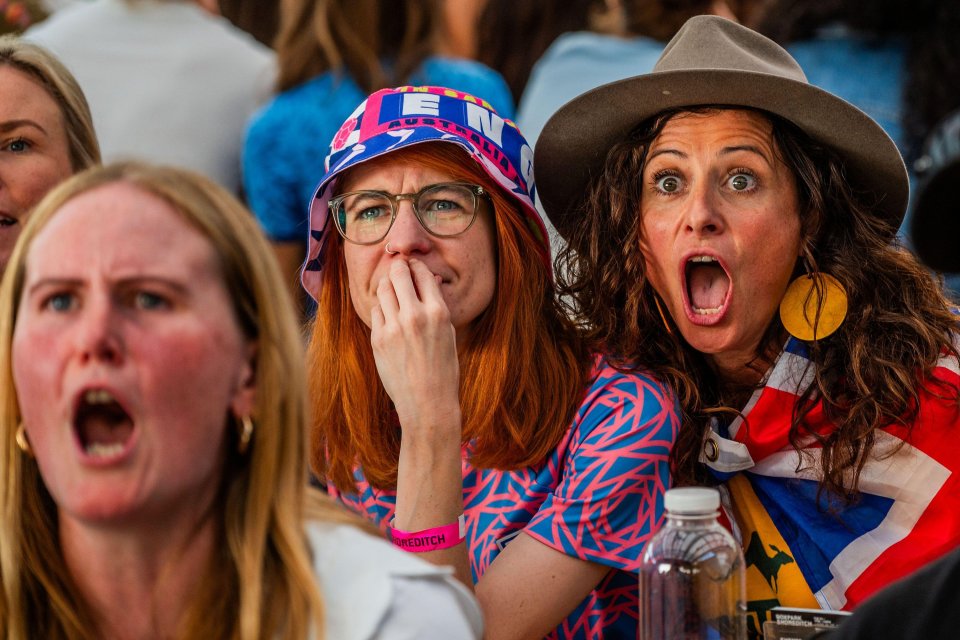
<point x="394" y="199"/>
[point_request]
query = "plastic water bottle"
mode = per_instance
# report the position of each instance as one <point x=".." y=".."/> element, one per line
<point x="692" y="582"/>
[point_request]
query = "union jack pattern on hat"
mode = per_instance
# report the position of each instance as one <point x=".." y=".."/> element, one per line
<point x="392" y="119"/>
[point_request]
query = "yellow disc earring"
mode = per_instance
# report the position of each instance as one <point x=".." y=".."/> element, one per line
<point x="22" y="441"/>
<point x="808" y="315"/>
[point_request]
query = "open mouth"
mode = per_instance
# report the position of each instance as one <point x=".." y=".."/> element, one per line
<point x="708" y="286"/>
<point x="102" y="425"/>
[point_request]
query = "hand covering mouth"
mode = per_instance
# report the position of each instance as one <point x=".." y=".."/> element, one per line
<point x="101" y="423"/>
<point x="707" y="284"/>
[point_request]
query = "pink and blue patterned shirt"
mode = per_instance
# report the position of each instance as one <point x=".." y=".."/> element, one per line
<point x="598" y="497"/>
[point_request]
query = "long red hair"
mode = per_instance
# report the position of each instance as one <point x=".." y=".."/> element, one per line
<point x="523" y="370"/>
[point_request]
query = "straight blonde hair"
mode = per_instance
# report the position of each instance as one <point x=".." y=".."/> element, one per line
<point x="262" y="584"/>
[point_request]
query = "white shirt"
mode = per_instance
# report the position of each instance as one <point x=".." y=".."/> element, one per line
<point x="166" y="81"/>
<point x="373" y="591"/>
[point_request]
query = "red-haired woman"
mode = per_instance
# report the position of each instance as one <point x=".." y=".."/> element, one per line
<point x="453" y="402"/>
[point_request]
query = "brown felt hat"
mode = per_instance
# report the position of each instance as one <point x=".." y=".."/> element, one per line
<point x="713" y="61"/>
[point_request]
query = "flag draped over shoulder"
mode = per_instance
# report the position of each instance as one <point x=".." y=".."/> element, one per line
<point x="805" y="551"/>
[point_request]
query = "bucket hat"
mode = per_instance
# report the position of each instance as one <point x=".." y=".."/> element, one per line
<point x="713" y="61"/>
<point x="393" y="119"/>
<point x="935" y="223"/>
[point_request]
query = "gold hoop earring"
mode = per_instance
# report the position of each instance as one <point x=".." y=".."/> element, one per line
<point x="813" y="307"/>
<point x="246" y="434"/>
<point x="22" y="441"/>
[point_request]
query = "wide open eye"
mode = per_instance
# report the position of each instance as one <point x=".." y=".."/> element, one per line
<point x="742" y="181"/>
<point x="667" y="183"/>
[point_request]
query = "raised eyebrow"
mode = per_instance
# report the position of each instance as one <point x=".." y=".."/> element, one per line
<point x="11" y="125"/>
<point x="667" y="151"/>
<point x="749" y="148"/>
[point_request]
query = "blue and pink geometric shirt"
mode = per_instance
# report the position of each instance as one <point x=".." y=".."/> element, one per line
<point x="598" y="497"/>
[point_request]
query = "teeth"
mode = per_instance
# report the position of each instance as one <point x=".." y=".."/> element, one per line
<point x="98" y="396"/>
<point x="706" y="312"/>
<point x="703" y="259"/>
<point x="97" y="450"/>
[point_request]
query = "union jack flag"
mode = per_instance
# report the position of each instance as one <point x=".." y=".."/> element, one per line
<point x="803" y="550"/>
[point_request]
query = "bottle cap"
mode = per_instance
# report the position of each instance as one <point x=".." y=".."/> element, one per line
<point x="692" y="500"/>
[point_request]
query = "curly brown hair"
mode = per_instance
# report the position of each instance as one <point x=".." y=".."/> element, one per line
<point x="868" y="375"/>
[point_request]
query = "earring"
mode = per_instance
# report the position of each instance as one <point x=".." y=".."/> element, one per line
<point x="656" y="301"/>
<point x="813" y="307"/>
<point x="22" y="441"/>
<point x="246" y="434"/>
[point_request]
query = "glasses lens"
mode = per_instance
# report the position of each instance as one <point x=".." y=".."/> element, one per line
<point x="447" y="209"/>
<point x="364" y="217"/>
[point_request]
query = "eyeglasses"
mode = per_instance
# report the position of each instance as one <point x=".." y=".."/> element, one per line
<point x="444" y="210"/>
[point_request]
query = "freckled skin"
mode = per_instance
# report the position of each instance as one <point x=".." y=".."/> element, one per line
<point x="122" y="294"/>
<point x="34" y="154"/>
<point x="714" y="182"/>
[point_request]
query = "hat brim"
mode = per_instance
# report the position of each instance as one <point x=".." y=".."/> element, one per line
<point x="573" y="146"/>
<point x="935" y="223"/>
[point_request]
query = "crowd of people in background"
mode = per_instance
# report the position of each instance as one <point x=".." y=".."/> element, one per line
<point x="361" y="319"/>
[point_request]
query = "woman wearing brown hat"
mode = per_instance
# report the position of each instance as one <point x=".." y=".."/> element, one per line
<point x="729" y="228"/>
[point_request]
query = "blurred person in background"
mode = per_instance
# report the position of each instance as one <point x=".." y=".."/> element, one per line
<point x="935" y="226"/>
<point x="259" y="18"/>
<point x="153" y="437"/>
<point x="46" y="133"/>
<point x="504" y="24"/>
<point x="17" y="15"/>
<point x="167" y="80"/>
<point x="457" y="31"/>
<point x="332" y="54"/>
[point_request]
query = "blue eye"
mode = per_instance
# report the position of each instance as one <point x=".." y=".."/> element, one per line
<point x="370" y="213"/>
<point x="60" y="302"/>
<point x="444" y="205"/>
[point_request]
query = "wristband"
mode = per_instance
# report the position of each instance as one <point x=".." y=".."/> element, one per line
<point x="449" y="535"/>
